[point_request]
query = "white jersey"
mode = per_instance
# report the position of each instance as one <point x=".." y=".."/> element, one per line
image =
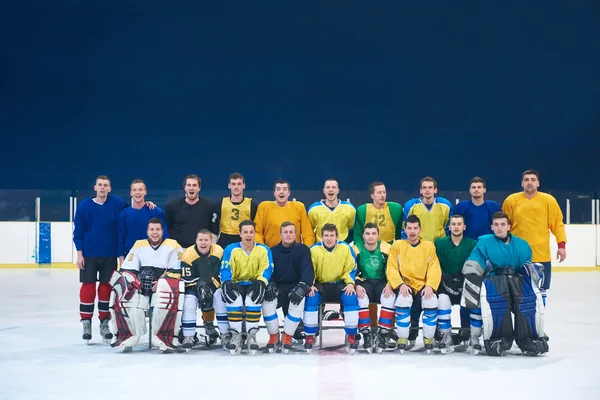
<point x="143" y="254"/>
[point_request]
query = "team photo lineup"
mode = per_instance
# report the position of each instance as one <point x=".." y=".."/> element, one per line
<point x="395" y="270"/>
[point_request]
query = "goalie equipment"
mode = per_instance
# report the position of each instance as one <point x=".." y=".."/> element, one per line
<point x="298" y="293"/>
<point x="129" y="318"/>
<point x="205" y="295"/>
<point x="257" y="291"/>
<point x="125" y="284"/>
<point x="471" y="291"/>
<point x="148" y="276"/>
<point x="453" y="283"/>
<point x="535" y="271"/>
<point x="271" y="292"/>
<point x="230" y="291"/>
<point x="165" y="312"/>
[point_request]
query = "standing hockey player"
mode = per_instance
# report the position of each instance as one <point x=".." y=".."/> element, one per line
<point x="335" y="273"/>
<point x="477" y="212"/>
<point x="433" y="212"/>
<point x="200" y="268"/>
<point x="271" y="214"/>
<point x="334" y="211"/>
<point x="95" y="238"/>
<point x="500" y="279"/>
<point x="246" y="269"/>
<point x="372" y="287"/>
<point x="387" y="215"/>
<point x="452" y="252"/>
<point x="292" y="278"/>
<point x="231" y="210"/>
<point x="150" y="275"/>
<point x="414" y="270"/>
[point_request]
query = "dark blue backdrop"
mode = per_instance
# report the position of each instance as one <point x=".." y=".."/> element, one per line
<point x="303" y="90"/>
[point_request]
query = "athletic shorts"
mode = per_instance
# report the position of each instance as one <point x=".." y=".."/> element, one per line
<point x="374" y="288"/>
<point x="97" y="269"/>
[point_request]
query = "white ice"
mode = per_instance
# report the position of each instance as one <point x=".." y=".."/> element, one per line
<point x="42" y="356"/>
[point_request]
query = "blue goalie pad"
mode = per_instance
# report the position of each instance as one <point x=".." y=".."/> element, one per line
<point x="496" y="308"/>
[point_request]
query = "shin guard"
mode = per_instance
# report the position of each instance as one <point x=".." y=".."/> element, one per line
<point x="528" y="307"/>
<point x="165" y="315"/>
<point x="496" y="314"/>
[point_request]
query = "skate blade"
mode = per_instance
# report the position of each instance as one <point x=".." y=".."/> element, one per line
<point x="350" y="351"/>
<point x="308" y="351"/>
<point x="285" y="351"/>
<point x="272" y="350"/>
<point x="378" y="350"/>
<point x="428" y="352"/>
<point x="447" y="350"/>
<point x="401" y="351"/>
<point x="369" y="350"/>
<point x="86" y="341"/>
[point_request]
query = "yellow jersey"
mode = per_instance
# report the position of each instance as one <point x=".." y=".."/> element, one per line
<point x="241" y="267"/>
<point x="342" y="216"/>
<point x="270" y="216"/>
<point x="416" y="266"/>
<point x="336" y="265"/>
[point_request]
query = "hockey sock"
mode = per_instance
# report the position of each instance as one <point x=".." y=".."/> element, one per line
<point x="293" y="318"/>
<point x="104" y="290"/>
<point x="311" y="314"/>
<point x="87" y="296"/>
<point x="364" y="319"/>
<point x="386" y="316"/>
<point x="188" y="318"/>
<point x="444" y="313"/>
<point x="350" y="306"/>
<point x="208" y="315"/>
<point x="430" y="316"/>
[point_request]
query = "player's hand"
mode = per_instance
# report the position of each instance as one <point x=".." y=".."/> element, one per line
<point x="561" y="254"/>
<point x="312" y="291"/>
<point x="405" y="291"/>
<point x="360" y="291"/>
<point x="80" y="262"/>
<point x="150" y="205"/>
<point x="427" y="292"/>
<point x="388" y="291"/>
<point x="349" y="289"/>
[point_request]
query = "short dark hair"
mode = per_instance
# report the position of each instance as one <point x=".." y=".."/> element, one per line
<point x="204" y="231"/>
<point x="329" y="228"/>
<point x="371" y="225"/>
<point x="372" y="186"/>
<point x="500" y="215"/>
<point x="412" y="219"/>
<point x="103" y="177"/>
<point x="477" y="180"/>
<point x="457" y="216"/>
<point x="155" y="221"/>
<point x="331" y="180"/>
<point x="281" y="182"/>
<point x="286" y="224"/>
<point x="192" y="176"/>
<point x="428" y="179"/>
<point x="247" y="222"/>
<point x="133" y="182"/>
<point x="530" y="172"/>
<point x="236" y="175"/>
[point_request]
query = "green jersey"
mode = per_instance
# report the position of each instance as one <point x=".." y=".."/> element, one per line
<point x="388" y="220"/>
<point x="371" y="264"/>
<point x="452" y="258"/>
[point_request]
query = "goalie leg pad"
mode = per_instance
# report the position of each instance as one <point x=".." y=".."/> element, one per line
<point x="471" y="291"/>
<point x="189" y="315"/>
<point x="129" y="320"/>
<point x="496" y="314"/>
<point x="165" y="314"/>
<point x="221" y="311"/>
<point x="528" y="307"/>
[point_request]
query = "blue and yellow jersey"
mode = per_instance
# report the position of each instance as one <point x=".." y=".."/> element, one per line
<point x="342" y="216"/>
<point x="336" y="265"/>
<point x="165" y="256"/>
<point x="243" y="268"/>
<point x="434" y="218"/>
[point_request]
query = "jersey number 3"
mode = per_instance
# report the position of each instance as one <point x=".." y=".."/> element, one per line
<point x="236" y="214"/>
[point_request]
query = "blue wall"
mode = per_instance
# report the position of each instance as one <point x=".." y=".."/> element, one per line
<point x="302" y="90"/>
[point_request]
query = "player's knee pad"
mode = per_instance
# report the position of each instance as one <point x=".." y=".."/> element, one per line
<point x="349" y="302"/>
<point x="387" y="302"/>
<point x="496" y="312"/>
<point x="528" y="308"/>
<point x="166" y="308"/>
<point x="404" y="301"/>
<point x="312" y="302"/>
<point x="364" y="302"/>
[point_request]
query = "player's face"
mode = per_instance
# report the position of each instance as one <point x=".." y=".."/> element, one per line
<point x="155" y="232"/>
<point x="457" y="226"/>
<point x="412" y="230"/>
<point x="138" y="192"/>
<point x="237" y="187"/>
<point x="102" y="187"/>
<point x="191" y="189"/>
<point x="379" y="195"/>
<point x="530" y="183"/>
<point x="371" y="236"/>
<point x="282" y="193"/>
<point x="329" y="238"/>
<point x="203" y="241"/>
<point x="247" y="234"/>
<point x="477" y="190"/>
<point x="427" y="190"/>
<point x="500" y="227"/>
<point x="288" y="235"/>
<point x="331" y="190"/>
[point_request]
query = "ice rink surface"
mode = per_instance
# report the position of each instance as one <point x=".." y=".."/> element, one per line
<point x="42" y="356"/>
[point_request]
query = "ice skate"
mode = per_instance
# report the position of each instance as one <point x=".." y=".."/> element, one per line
<point x="367" y="340"/>
<point x="273" y="342"/>
<point x="225" y="340"/>
<point x="474" y="345"/>
<point x="299" y="337"/>
<point x="402" y="344"/>
<point x="105" y="332"/>
<point x="309" y="343"/>
<point x="351" y="344"/>
<point x="380" y="342"/>
<point x="87" y="330"/>
<point x="446" y="344"/>
<point x="235" y="345"/>
<point x="251" y="341"/>
<point x="211" y="333"/>
<point x="463" y="335"/>
<point x="412" y="337"/>
<point x="128" y="349"/>
<point x="188" y="343"/>
<point x="428" y="342"/>
<point x="286" y="341"/>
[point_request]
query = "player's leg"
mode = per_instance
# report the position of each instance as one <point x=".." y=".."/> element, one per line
<point x="430" y="315"/>
<point x="528" y="308"/>
<point x="222" y="317"/>
<point x="188" y="320"/>
<point x="166" y="315"/>
<point x="364" y="316"/>
<point x="129" y="310"/>
<point x="496" y="315"/>
<point x="88" y="276"/>
<point x="545" y="285"/>
<point x="311" y="316"/>
<point x="283" y="299"/>
<point x="350" y="305"/>
<point x="444" y="313"/>
<point x="234" y="308"/>
<point x="205" y="295"/>
<point x="253" y="312"/>
<point x="269" y="312"/>
<point x="386" y="320"/>
<point x="292" y="323"/>
<point x="106" y="266"/>
<point x="403" y="319"/>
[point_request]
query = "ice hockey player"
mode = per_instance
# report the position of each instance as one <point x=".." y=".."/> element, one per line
<point x="246" y="269"/>
<point x="500" y="279"/>
<point x="200" y="267"/>
<point x="414" y="271"/>
<point x="452" y="252"/>
<point x="150" y="275"/>
<point x="371" y="287"/>
<point x="335" y="273"/>
<point x="291" y="281"/>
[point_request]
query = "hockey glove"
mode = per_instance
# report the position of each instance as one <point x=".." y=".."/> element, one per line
<point x="298" y="293"/>
<point x="470" y="293"/>
<point x="271" y="292"/>
<point x="205" y="295"/>
<point x="230" y="291"/>
<point x="257" y="291"/>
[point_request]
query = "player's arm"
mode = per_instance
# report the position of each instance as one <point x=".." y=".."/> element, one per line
<point x="349" y="272"/>
<point x="508" y="206"/>
<point x="397" y="213"/>
<point x="216" y="216"/>
<point x="259" y="221"/>
<point x="359" y="224"/>
<point x="225" y="270"/>
<point x="476" y="263"/>
<point x="189" y="274"/>
<point x="169" y="218"/>
<point x="132" y="261"/>
<point x="79" y="233"/>
<point x="308" y="234"/>
<point x="306" y="266"/>
<point x="359" y="274"/>
<point x="392" y="270"/>
<point x="557" y="227"/>
<point x="266" y="266"/>
<point x="434" y="271"/>
<point x="121" y="235"/>
<point x="158" y="213"/>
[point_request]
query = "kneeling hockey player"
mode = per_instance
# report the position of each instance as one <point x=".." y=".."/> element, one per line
<point x="335" y="272"/>
<point x="200" y="266"/>
<point x="151" y="275"/>
<point x="245" y="272"/>
<point x="500" y="279"/>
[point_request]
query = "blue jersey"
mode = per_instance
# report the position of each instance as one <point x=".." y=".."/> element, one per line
<point x="133" y="226"/>
<point x="492" y="253"/>
<point x="477" y="218"/>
